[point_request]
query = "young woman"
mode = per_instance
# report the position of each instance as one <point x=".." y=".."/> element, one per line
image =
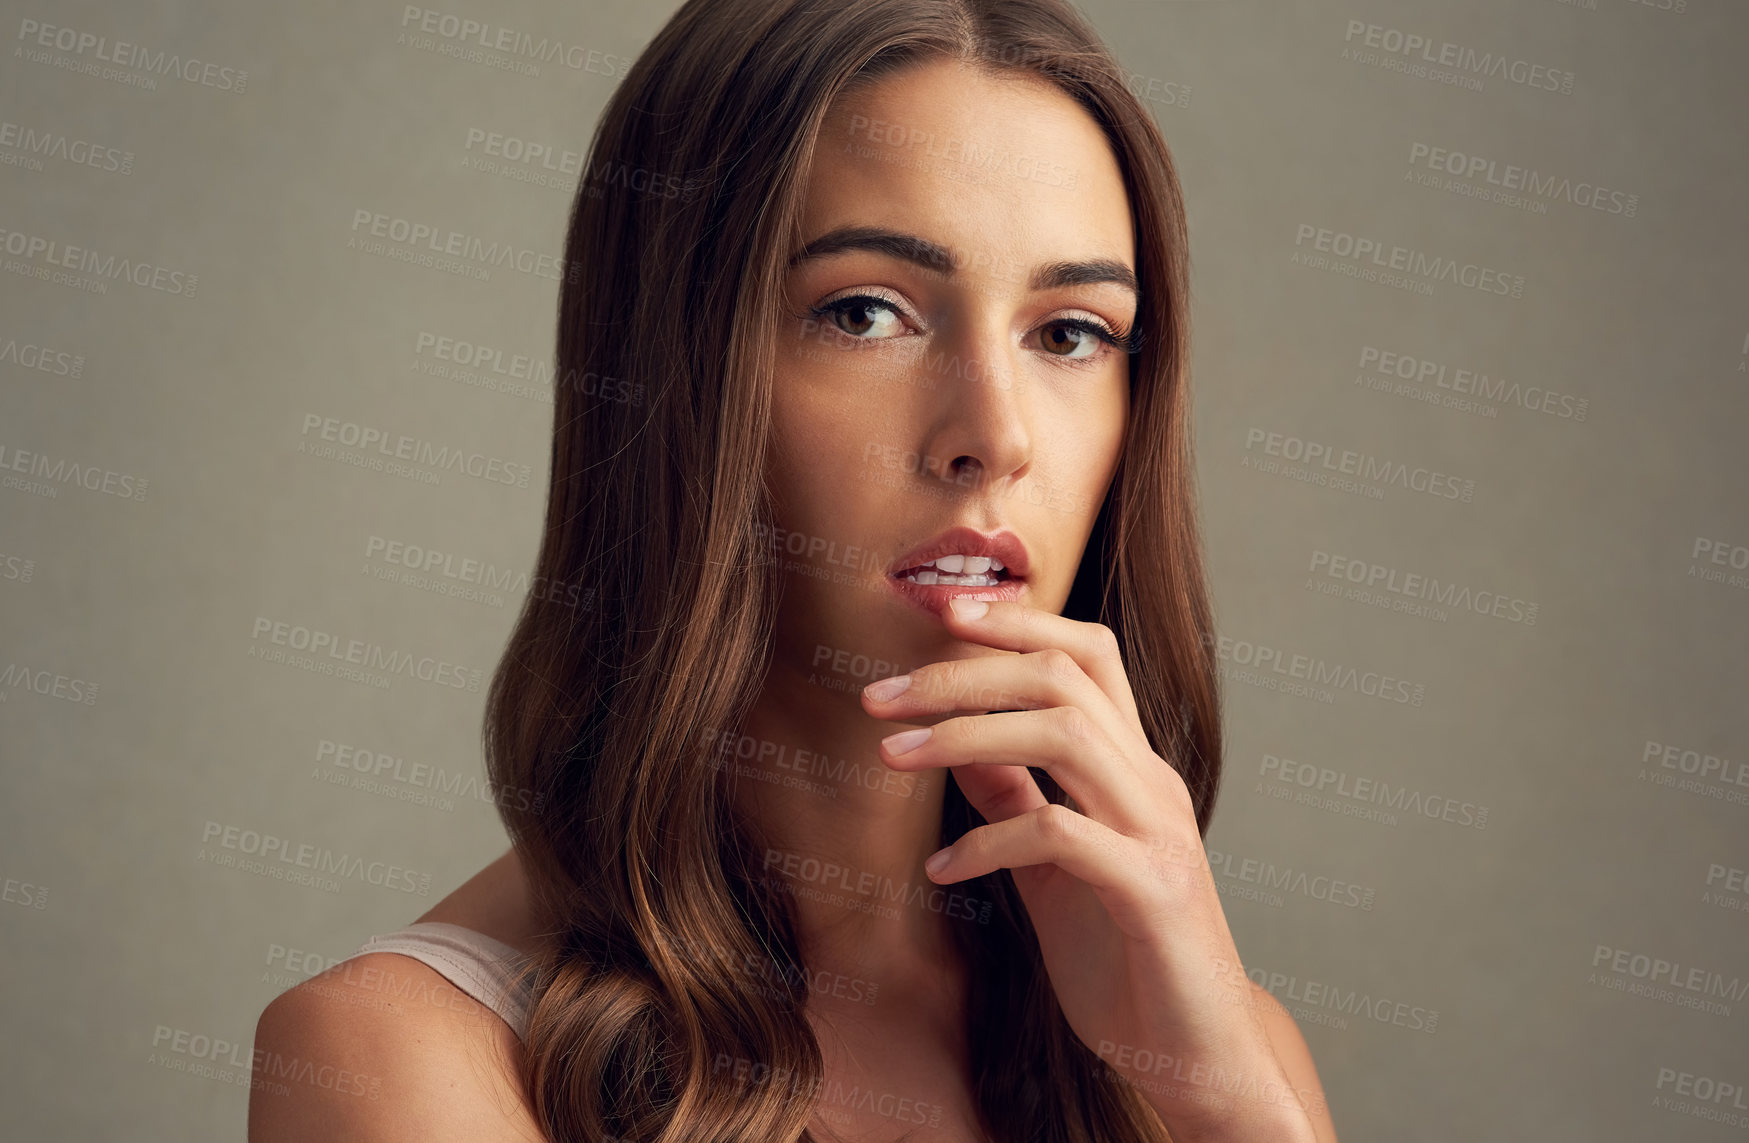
<point x="878" y="307"/>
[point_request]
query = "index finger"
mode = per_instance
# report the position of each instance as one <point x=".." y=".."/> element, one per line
<point x="1012" y="626"/>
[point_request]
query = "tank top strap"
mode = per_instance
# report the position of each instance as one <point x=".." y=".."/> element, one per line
<point x="484" y="967"/>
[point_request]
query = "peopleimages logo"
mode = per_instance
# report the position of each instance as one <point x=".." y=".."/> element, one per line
<point x="1362" y="795"/>
<point x="30" y="145"/>
<point x="1311" y="669"/>
<point x="467" y="33"/>
<point x="1511" y="177"/>
<point x="60" y="471"/>
<point x="270" y="639"/>
<point x="1684" y="985"/>
<point x="1317" y="460"/>
<point x="464" y="577"/>
<point x="229" y="1061"/>
<point x="1423" y="55"/>
<point x="1265" y="881"/>
<point x="369" y="446"/>
<point x="1702" y="1097"/>
<point x="41" y="358"/>
<point x="1383" y="581"/>
<point x="278" y="857"/>
<point x="1390" y="256"/>
<point x="865" y="892"/>
<point x="18" y="676"/>
<point x="36" y="39"/>
<point x="1477" y="383"/>
<point x="1323" y="999"/>
<point x="413" y="781"/>
<point x="424" y="238"/>
<point x="724" y="749"/>
<point x="40" y="254"/>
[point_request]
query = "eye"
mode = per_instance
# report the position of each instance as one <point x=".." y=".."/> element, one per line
<point x="855" y="315"/>
<point x="1077" y="339"/>
<point x="869" y="317"/>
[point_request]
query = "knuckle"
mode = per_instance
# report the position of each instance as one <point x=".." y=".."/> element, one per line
<point x="966" y="734"/>
<point x="1104" y="641"/>
<point x="1177" y="858"/>
<point x="1076" y="728"/>
<point x="1058" y="823"/>
<point x="940" y="679"/>
<point x="1177" y="789"/>
<point x="975" y="843"/>
<point x="1058" y="665"/>
<point x="1169" y="868"/>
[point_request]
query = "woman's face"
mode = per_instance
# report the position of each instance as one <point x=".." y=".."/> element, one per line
<point x="939" y="364"/>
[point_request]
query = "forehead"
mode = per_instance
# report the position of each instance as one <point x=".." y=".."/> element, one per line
<point x="1007" y="170"/>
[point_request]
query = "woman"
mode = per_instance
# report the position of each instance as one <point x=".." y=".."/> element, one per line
<point x="898" y="292"/>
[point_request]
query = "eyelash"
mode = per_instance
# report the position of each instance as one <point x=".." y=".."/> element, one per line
<point x="1124" y="341"/>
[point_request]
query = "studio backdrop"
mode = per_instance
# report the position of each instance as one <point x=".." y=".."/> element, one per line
<point x="1471" y="389"/>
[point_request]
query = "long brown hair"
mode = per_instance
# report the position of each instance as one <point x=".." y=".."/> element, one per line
<point x="641" y="875"/>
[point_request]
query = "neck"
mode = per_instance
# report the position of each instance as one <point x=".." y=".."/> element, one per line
<point x="844" y="836"/>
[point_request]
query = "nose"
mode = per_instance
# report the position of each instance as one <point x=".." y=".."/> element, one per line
<point x="980" y="431"/>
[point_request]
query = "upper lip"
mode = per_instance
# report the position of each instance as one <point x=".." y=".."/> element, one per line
<point x="1002" y="544"/>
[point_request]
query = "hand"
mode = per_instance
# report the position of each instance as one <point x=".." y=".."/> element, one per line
<point x="1117" y="887"/>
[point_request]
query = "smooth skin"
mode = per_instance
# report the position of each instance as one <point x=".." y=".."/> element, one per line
<point x="1021" y="413"/>
<point x="1128" y="919"/>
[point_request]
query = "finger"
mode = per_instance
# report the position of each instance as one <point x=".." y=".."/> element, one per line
<point x="1044" y="678"/>
<point x="1076" y="844"/>
<point x="1064" y="741"/>
<point x="1013" y="626"/>
<point x="998" y="792"/>
<point x="1018" y="682"/>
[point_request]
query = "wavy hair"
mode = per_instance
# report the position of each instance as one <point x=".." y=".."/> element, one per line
<point x="669" y="953"/>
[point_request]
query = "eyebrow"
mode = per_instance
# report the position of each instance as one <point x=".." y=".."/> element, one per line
<point x="942" y="259"/>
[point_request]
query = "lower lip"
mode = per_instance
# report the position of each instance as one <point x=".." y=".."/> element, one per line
<point x="933" y="597"/>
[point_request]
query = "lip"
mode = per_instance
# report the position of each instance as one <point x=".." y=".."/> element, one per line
<point x="1002" y="544"/>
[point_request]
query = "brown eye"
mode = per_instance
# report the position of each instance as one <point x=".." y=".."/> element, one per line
<point x="855" y="316"/>
<point x="1068" y="337"/>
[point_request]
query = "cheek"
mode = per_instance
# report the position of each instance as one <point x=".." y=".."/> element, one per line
<point x="1105" y="444"/>
<point x="832" y="422"/>
<point x="1089" y="438"/>
<point x="814" y="458"/>
<point x="1073" y="471"/>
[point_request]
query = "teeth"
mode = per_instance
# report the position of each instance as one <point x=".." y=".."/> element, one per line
<point x="929" y="576"/>
<point x="956" y="564"/>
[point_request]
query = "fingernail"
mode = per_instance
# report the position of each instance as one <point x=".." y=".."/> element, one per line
<point x="968" y="608"/>
<point x="938" y="861"/>
<point x="887" y="688"/>
<point x="906" y="740"/>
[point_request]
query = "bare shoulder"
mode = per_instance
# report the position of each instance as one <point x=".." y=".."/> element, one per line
<point x="494" y="901"/>
<point x="1296" y="1060"/>
<point x="382" y="1048"/>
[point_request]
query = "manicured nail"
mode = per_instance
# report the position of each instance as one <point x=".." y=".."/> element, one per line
<point x="906" y="740"/>
<point x="938" y="861"/>
<point x="887" y="688"/>
<point x="968" y="608"/>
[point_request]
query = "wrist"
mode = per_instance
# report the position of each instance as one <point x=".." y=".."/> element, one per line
<point x="1262" y="1125"/>
<point x="1212" y="1104"/>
